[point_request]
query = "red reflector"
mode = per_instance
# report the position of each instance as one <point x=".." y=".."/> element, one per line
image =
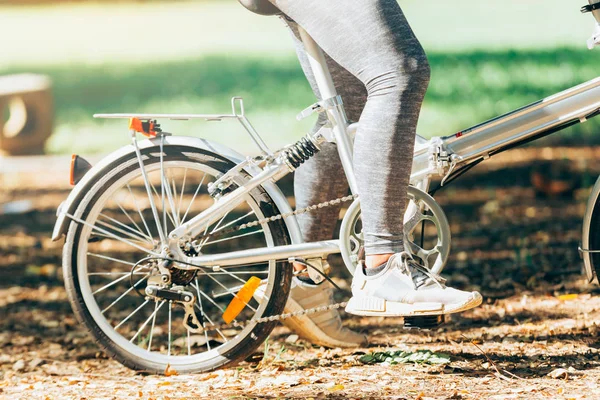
<point x="79" y="167"/>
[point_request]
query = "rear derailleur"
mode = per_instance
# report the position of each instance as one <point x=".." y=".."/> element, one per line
<point x="161" y="288"/>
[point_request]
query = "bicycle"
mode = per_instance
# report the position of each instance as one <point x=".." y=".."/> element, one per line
<point x="178" y="249"/>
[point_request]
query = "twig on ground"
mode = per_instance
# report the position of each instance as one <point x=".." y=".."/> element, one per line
<point x="498" y="373"/>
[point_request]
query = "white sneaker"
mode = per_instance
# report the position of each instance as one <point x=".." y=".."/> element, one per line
<point x="406" y="288"/>
<point x="322" y="328"/>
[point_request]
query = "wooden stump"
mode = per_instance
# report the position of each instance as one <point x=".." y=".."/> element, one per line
<point x="26" y="113"/>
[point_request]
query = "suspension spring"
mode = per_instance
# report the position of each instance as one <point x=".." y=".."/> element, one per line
<point x="299" y="152"/>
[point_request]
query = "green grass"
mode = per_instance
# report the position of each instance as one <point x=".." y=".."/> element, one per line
<point x="184" y="57"/>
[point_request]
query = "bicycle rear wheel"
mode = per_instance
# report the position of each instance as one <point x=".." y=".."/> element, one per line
<point x="113" y="231"/>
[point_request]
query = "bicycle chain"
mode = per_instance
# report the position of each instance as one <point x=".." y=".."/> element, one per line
<point x="280" y="317"/>
<point x="298" y="211"/>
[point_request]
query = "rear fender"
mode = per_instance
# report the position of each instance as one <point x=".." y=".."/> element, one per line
<point x="69" y="206"/>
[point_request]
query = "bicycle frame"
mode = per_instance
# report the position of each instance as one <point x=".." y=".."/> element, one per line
<point x="437" y="157"/>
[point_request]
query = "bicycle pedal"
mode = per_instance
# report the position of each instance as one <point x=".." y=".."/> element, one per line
<point x="423" y="322"/>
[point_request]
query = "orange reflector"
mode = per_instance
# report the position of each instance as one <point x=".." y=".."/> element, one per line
<point x="79" y="167"/>
<point x="146" y="128"/>
<point x="241" y="299"/>
<point x="72" y="170"/>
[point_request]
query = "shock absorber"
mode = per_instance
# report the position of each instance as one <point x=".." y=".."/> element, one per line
<point x="300" y="152"/>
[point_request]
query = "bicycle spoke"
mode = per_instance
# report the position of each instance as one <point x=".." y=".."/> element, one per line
<point x="221" y="220"/>
<point x="132" y="314"/>
<point x="188" y="342"/>
<point x="112" y="273"/>
<point x="152" y="316"/>
<point x="239" y="272"/>
<point x="147" y="183"/>
<point x="125" y="293"/>
<point x="101" y="235"/>
<point x="135" y="232"/>
<point x="207" y="297"/>
<point x="111" y="235"/>
<point x="165" y="188"/>
<point x="110" y="259"/>
<point x="233" y="222"/>
<point x="182" y="193"/>
<point x="170" y="199"/>
<point x="152" y="327"/>
<point x="210" y="321"/>
<point x="175" y="213"/>
<point x="103" y="288"/>
<point x="162" y="198"/>
<point x="193" y="198"/>
<point x="129" y="218"/>
<point x="233" y="276"/>
<point x="216" y="329"/>
<point x="170" y="319"/>
<point x="130" y="235"/>
<point x="164" y="209"/>
<point x="202" y="313"/>
<point x="233" y="237"/>
<point x="139" y="211"/>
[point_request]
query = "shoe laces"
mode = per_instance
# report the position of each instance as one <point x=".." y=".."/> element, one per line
<point x="419" y="274"/>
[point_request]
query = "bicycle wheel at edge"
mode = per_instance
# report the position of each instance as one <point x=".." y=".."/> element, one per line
<point x="99" y="310"/>
<point x="594" y="235"/>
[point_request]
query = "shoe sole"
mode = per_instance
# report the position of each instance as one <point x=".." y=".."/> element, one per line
<point x="304" y="327"/>
<point x="377" y="307"/>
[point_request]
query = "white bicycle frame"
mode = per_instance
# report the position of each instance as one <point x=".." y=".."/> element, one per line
<point x="437" y="157"/>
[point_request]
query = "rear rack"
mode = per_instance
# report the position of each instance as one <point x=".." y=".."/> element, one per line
<point x="237" y="112"/>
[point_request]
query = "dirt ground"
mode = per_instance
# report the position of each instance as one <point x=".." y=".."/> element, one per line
<point x="534" y="337"/>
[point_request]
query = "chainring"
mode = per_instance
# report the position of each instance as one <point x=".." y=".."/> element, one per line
<point x="421" y="208"/>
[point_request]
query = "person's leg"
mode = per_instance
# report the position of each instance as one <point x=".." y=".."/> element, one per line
<point x="322" y="177"/>
<point x="374" y="42"/>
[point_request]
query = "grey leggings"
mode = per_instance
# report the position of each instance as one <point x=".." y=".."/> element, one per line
<point x="381" y="72"/>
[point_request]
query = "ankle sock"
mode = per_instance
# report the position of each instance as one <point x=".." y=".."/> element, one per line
<point x="375" y="270"/>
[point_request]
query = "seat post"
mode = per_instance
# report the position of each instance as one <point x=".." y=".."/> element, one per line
<point x="318" y="64"/>
<point x="337" y="116"/>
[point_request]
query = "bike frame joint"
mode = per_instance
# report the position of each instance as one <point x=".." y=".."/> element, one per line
<point x="321" y="106"/>
<point x="440" y="159"/>
<point x="221" y="186"/>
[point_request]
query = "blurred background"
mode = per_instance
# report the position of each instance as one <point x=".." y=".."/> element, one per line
<point x="513" y="231"/>
<point x="192" y="56"/>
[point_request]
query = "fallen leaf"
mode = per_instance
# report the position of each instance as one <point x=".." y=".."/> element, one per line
<point x="335" y="388"/>
<point x="292" y="339"/>
<point x="559" y="373"/>
<point x="566" y="297"/>
<point x="19" y="366"/>
<point x="208" y="376"/>
<point x="170" y="371"/>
